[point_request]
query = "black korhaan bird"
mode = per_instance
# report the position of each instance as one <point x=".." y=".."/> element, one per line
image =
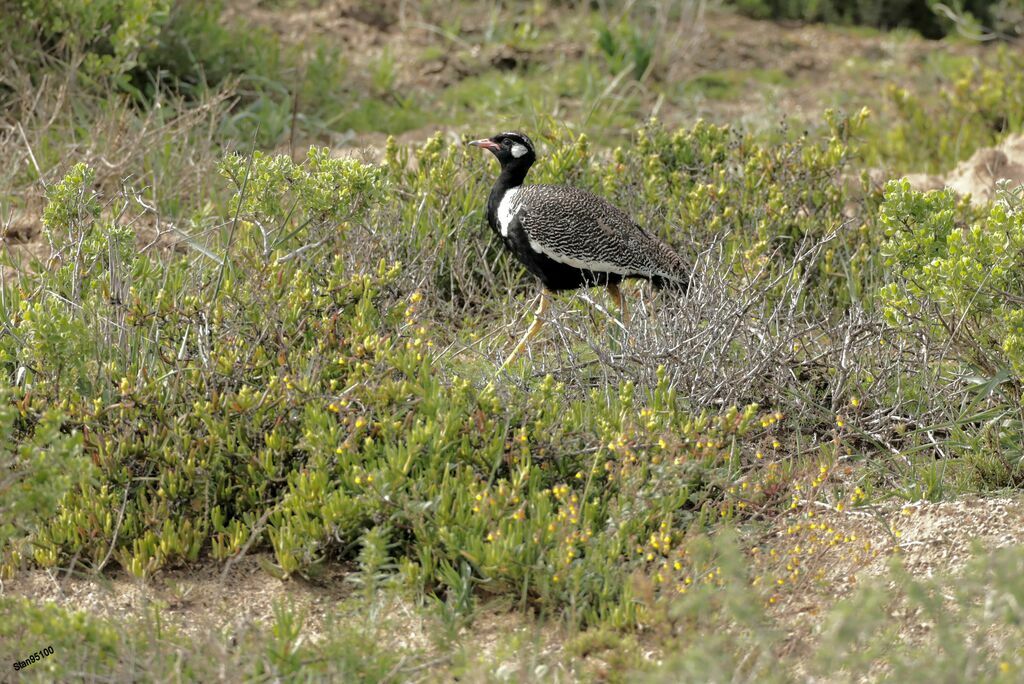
<point x="568" y="237"/>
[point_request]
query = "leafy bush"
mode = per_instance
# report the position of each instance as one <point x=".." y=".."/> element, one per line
<point x="194" y="50"/>
<point x="957" y="295"/>
<point x="286" y="389"/>
<point x="958" y="284"/>
<point x="140" y="46"/>
<point x="111" y="36"/>
<point x="39" y="464"/>
<point x="298" y="207"/>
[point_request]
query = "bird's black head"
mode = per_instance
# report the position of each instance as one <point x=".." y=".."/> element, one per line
<point x="513" y="150"/>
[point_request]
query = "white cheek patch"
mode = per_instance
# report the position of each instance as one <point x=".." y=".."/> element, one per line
<point x="518" y="150"/>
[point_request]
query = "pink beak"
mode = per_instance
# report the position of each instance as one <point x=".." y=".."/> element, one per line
<point x="486" y="143"/>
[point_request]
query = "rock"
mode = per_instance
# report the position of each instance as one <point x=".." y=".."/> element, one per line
<point x="926" y="181"/>
<point x="979" y="175"/>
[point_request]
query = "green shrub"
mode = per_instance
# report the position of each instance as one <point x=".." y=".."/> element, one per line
<point x="957" y="293"/>
<point x="195" y="50"/>
<point x="958" y="283"/>
<point x="112" y="36"/>
<point x="144" y="47"/>
<point x="39" y="463"/>
<point x="294" y="207"/>
<point x="772" y="200"/>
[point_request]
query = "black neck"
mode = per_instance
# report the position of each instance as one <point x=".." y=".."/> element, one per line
<point x="514" y="173"/>
<point x="512" y="176"/>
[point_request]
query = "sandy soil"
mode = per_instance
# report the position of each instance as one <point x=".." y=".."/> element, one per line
<point x="930" y="538"/>
<point x="205" y="600"/>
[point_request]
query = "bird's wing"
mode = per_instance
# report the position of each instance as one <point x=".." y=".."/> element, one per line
<point x="580" y="229"/>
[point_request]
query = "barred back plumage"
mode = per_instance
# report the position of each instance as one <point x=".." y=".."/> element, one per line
<point x="577" y="228"/>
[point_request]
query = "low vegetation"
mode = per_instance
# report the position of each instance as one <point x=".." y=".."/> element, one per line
<point x="233" y="340"/>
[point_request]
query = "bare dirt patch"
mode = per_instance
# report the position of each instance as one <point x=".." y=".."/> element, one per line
<point x="202" y="600"/>
<point x="834" y="551"/>
<point x="195" y="600"/>
<point x="822" y="554"/>
<point x="21" y="241"/>
<point x="790" y="70"/>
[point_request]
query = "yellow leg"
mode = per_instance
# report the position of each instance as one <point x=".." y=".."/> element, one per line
<point x="538" y="321"/>
<point x="616" y="294"/>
